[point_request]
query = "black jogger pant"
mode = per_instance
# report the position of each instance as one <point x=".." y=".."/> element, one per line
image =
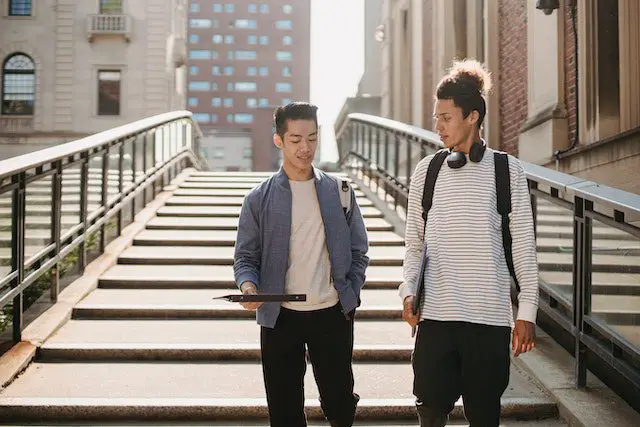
<point x="458" y="358"/>
<point x="328" y="336"/>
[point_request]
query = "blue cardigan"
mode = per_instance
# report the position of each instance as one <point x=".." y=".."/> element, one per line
<point x="262" y="246"/>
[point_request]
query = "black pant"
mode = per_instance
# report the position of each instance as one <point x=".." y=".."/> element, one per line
<point x="328" y="335"/>
<point x="458" y="358"/>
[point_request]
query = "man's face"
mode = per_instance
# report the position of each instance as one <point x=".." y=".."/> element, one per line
<point x="452" y="128"/>
<point x="300" y="143"/>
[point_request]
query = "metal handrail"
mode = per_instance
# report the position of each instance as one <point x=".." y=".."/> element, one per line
<point x="384" y="152"/>
<point x="160" y="146"/>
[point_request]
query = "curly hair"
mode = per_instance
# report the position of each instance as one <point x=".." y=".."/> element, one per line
<point x="467" y="83"/>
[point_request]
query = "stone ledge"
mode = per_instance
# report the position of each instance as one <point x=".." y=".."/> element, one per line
<point x="596" y="405"/>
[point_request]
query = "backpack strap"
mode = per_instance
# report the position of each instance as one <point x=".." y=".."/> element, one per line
<point x="427" y="200"/>
<point x="345" y="194"/>
<point x="503" y="194"/>
<point x="430" y="181"/>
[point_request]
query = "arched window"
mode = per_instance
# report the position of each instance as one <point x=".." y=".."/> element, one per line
<point x="18" y="85"/>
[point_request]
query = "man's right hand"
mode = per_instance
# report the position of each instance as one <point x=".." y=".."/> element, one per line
<point x="250" y="288"/>
<point x="407" y="312"/>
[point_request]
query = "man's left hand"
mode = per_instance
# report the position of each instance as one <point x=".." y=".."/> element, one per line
<point x="524" y="337"/>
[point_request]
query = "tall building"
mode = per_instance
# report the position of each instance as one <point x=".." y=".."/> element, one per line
<point x="245" y="59"/>
<point x="70" y="68"/>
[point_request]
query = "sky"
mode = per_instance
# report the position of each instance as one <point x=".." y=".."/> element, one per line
<point x="337" y="62"/>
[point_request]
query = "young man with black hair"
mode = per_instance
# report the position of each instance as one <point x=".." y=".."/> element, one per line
<point x="458" y="262"/>
<point x="295" y="237"/>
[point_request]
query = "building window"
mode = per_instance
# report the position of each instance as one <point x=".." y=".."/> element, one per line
<point x="284" y="24"/>
<point x="194" y="70"/>
<point x="252" y="39"/>
<point x="263" y="102"/>
<point x="245" y="23"/>
<point x="192" y="102"/>
<point x="228" y="70"/>
<point x="215" y="70"/>
<point x="214" y="87"/>
<point x="284" y="56"/>
<point x="216" y="39"/>
<point x="194" y="38"/>
<point x="264" y="8"/>
<point x="243" y="118"/>
<point x="264" y="71"/>
<point x="284" y="87"/>
<point x="246" y="87"/>
<point x="287" y="40"/>
<point x="214" y="54"/>
<point x="201" y="117"/>
<point x="200" y="23"/>
<point x="286" y="72"/>
<point x="288" y="9"/>
<point x="252" y="102"/>
<point x="110" y="6"/>
<point x="200" y="86"/>
<point x="216" y="102"/>
<point x="229" y="39"/>
<point x="228" y="103"/>
<point x="108" y="93"/>
<point x="252" y="71"/>
<point x="218" y="153"/>
<point x="214" y="118"/>
<point x="244" y="55"/>
<point x="230" y="118"/>
<point x="199" y="54"/>
<point x="286" y="101"/>
<point x="20" y="7"/>
<point x="248" y="152"/>
<point x="217" y="8"/>
<point x="195" y="8"/>
<point x="229" y="8"/>
<point x="253" y="8"/>
<point x="264" y="40"/>
<point x="18" y="85"/>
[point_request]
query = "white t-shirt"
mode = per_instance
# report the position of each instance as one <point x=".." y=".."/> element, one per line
<point x="309" y="270"/>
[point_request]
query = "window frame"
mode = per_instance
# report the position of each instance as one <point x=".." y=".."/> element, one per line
<point x="10" y="4"/>
<point x="99" y="110"/>
<point x="25" y="72"/>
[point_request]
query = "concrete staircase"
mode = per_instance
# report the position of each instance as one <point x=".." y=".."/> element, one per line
<point x="150" y="344"/>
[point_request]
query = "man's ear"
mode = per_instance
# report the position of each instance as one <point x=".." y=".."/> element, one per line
<point x="474" y="116"/>
<point x="277" y="140"/>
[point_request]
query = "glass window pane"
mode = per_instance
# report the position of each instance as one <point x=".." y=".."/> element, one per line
<point x="264" y="102"/>
<point x="229" y="39"/>
<point x="245" y="55"/>
<point x="194" y="70"/>
<point x="287" y="40"/>
<point x="201" y="117"/>
<point x="199" y="54"/>
<point x="243" y="118"/>
<point x="193" y="102"/>
<point x="111" y="6"/>
<point x="287" y="8"/>
<point x="199" y="86"/>
<point x="264" y="71"/>
<point x="284" y="56"/>
<point x="252" y="102"/>
<point x="284" y="24"/>
<point x="195" y="8"/>
<point x="253" y="8"/>
<point x="228" y="102"/>
<point x="217" y="8"/>
<point x="194" y="38"/>
<point x="18" y="85"/>
<point x="245" y="23"/>
<point x="264" y="8"/>
<point x="200" y="23"/>
<point x="246" y="87"/>
<point x="108" y="93"/>
<point x="229" y="8"/>
<point x="20" y="7"/>
<point x="264" y="40"/>
<point x="284" y="87"/>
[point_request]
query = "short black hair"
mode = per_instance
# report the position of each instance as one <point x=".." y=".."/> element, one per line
<point x="467" y="84"/>
<point x="294" y="111"/>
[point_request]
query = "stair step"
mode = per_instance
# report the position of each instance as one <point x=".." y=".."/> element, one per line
<point x="196" y="352"/>
<point x="203" y="391"/>
<point x="227" y="185"/>
<point x="227" y="201"/>
<point x="194" y="410"/>
<point x="602" y="246"/>
<point x="209" y="276"/>
<point x="228" y="238"/>
<point x="224" y="192"/>
<point x="601" y="263"/>
<point x="566" y="232"/>
<point x="202" y="299"/>
<point x="601" y="283"/>
<point x="177" y="223"/>
<point x="200" y="255"/>
<point x="230" y="211"/>
<point x="374" y="332"/>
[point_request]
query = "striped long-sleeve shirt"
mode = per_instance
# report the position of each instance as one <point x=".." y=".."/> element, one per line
<point x="466" y="278"/>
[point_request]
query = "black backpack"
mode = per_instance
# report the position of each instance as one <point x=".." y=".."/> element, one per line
<point x="503" y="193"/>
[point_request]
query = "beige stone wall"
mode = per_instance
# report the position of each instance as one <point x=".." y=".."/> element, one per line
<point x="67" y="63"/>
